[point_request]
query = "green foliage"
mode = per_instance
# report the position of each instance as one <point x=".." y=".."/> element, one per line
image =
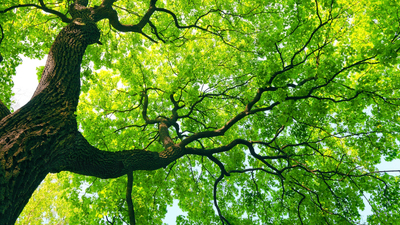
<point x="385" y="201"/>
<point x="331" y="71"/>
<point x="28" y="32"/>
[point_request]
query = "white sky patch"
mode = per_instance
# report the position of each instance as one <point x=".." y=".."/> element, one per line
<point x="25" y="82"/>
<point x="368" y="110"/>
<point x="120" y="85"/>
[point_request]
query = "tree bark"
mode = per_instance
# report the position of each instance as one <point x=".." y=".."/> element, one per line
<point x="42" y="136"/>
<point x="4" y="111"/>
<point x="33" y="138"/>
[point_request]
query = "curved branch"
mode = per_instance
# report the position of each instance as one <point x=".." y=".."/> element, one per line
<point x="187" y="26"/>
<point x="228" y="147"/>
<point x="131" y="210"/>
<point x="360" y="62"/>
<point x="63" y="17"/>
<point x="220" y="165"/>
<point x="148" y="37"/>
<point x="223" y="219"/>
<point x="155" y="31"/>
<point x="145" y="98"/>
<point x="2" y="37"/>
<point x="221" y="131"/>
<point x="298" y="206"/>
<point x="43" y="7"/>
<point x="2" y="34"/>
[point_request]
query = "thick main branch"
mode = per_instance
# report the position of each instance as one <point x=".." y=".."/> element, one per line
<point x="85" y="159"/>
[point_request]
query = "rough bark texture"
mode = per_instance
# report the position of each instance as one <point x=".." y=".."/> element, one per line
<point x="42" y="136"/>
<point x="33" y="138"/>
<point x="4" y="111"/>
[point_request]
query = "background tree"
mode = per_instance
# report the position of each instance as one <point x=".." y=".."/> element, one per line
<point x="272" y="112"/>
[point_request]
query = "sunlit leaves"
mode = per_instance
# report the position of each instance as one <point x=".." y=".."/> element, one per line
<point x="328" y="113"/>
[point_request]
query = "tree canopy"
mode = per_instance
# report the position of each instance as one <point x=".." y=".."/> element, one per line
<point x="247" y="112"/>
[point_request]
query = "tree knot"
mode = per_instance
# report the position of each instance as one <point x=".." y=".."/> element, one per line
<point x="87" y="31"/>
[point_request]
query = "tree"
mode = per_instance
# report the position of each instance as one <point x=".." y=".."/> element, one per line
<point x="272" y="112"/>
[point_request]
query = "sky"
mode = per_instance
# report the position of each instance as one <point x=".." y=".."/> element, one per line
<point x="25" y="83"/>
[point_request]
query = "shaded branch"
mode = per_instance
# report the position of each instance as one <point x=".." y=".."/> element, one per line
<point x="2" y="35"/>
<point x="280" y="56"/>
<point x="131" y="211"/>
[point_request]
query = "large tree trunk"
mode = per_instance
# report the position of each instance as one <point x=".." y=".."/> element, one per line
<point x="42" y="136"/>
<point x="34" y="139"/>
